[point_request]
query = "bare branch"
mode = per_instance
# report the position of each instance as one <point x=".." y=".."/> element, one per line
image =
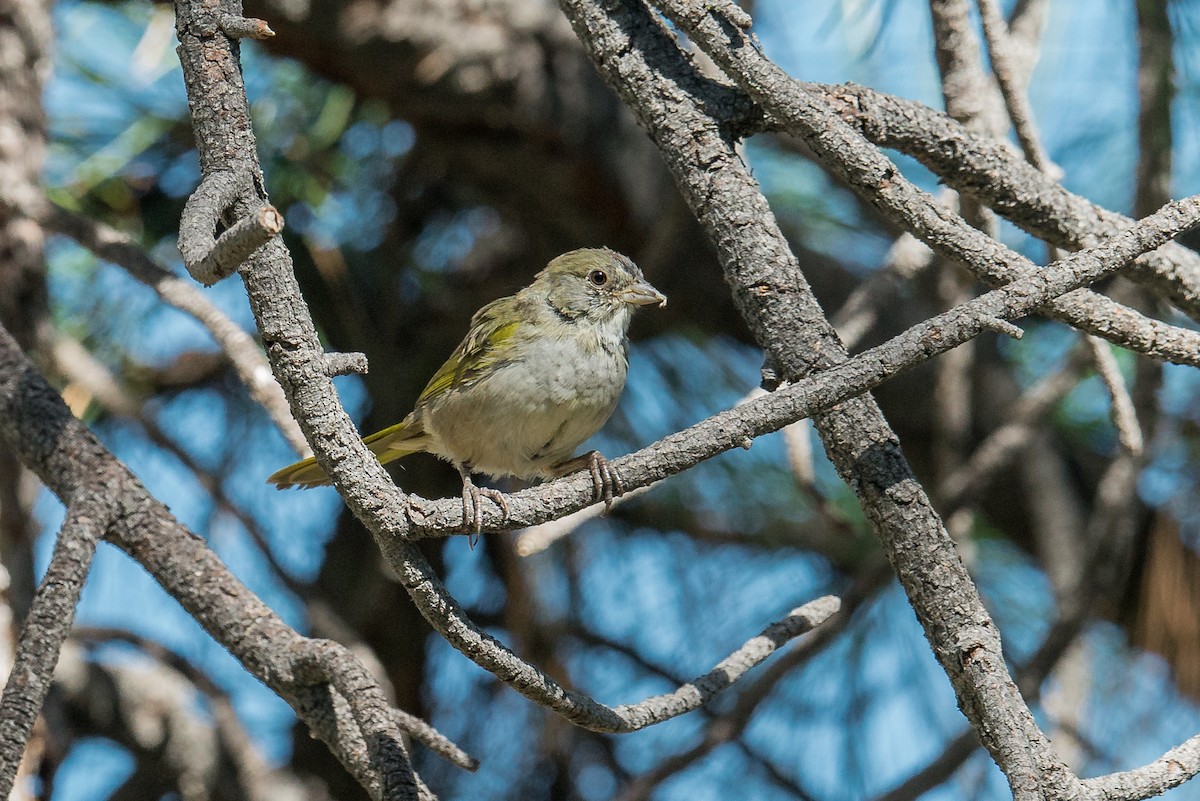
<point x="325" y="662"/>
<point x="1180" y="764"/>
<point x="36" y="424"/>
<point x="966" y="643"/>
<point x="993" y="173"/>
<point x="75" y="364"/>
<point x="730" y="725"/>
<point x="236" y="27"/>
<point x="1006" y="441"/>
<point x="968" y="91"/>
<point x="754" y="651"/>
<point x="906" y="259"/>
<point x="870" y="172"/>
<point x="345" y="363"/>
<point x="995" y="32"/>
<point x="208" y="258"/>
<point x="1000" y="326"/>
<point x="1124" y="416"/>
<point x="449" y="620"/>
<point x="46" y="628"/>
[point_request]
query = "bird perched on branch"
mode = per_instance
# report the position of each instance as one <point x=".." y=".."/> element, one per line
<point x="537" y="374"/>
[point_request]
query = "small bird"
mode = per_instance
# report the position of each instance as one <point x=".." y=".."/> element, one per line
<point x="537" y="374"/>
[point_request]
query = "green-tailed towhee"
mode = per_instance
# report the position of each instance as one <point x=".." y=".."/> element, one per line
<point x="537" y="374"/>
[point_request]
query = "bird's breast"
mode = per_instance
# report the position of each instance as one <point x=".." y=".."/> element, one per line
<point x="532" y="413"/>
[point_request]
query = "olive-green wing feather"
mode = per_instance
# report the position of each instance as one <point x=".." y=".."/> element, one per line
<point x="487" y="345"/>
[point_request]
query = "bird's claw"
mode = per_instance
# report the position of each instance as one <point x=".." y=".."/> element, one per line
<point x="606" y="481"/>
<point x="473" y="507"/>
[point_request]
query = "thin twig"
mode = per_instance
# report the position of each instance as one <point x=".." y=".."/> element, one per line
<point x="46" y="628"/>
<point x="1006" y="441"/>
<point x="237" y="27"/>
<point x="1121" y="410"/>
<point x="729" y="725"/>
<point x="243" y="352"/>
<point x="907" y="258"/>
<point x="1179" y="765"/>
<point x="995" y="32"/>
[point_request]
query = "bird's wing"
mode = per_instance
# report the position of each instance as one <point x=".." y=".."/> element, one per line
<point x="486" y="345"/>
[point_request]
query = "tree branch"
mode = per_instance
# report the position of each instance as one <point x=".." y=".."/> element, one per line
<point x="641" y="60"/>
<point x="226" y="144"/>
<point x="208" y="258"/>
<point x="46" y="628"/>
<point x="1180" y="764"/>
<point x="995" y="32"/>
<point x="729" y="725"/>
<point x="1006" y="441"/>
<point x="986" y="169"/>
<point x="36" y="424"/>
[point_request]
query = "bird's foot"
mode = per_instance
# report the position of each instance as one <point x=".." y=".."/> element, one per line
<point x="606" y="481"/>
<point x="472" y="497"/>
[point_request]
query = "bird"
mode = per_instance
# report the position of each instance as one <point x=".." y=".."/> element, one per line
<point x="538" y="373"/>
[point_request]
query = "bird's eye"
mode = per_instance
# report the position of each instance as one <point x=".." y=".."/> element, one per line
<point x="598" y="277"/>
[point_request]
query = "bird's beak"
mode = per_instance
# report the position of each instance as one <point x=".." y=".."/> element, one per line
<point x="642" y="294"/>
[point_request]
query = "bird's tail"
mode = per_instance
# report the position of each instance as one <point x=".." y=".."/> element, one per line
<point x="388" y="445"/>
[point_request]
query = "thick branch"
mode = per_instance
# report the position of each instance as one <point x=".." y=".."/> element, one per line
<point x="324" y="661"/>
<point x="36" y="424"/>
<point x="641" y="60"/>
<point x="986" y="169"/>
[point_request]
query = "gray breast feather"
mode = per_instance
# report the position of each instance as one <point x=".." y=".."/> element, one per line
<point x="530" y="414"/>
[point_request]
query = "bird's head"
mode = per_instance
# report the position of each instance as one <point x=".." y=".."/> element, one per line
<point x="597" y="284"/>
